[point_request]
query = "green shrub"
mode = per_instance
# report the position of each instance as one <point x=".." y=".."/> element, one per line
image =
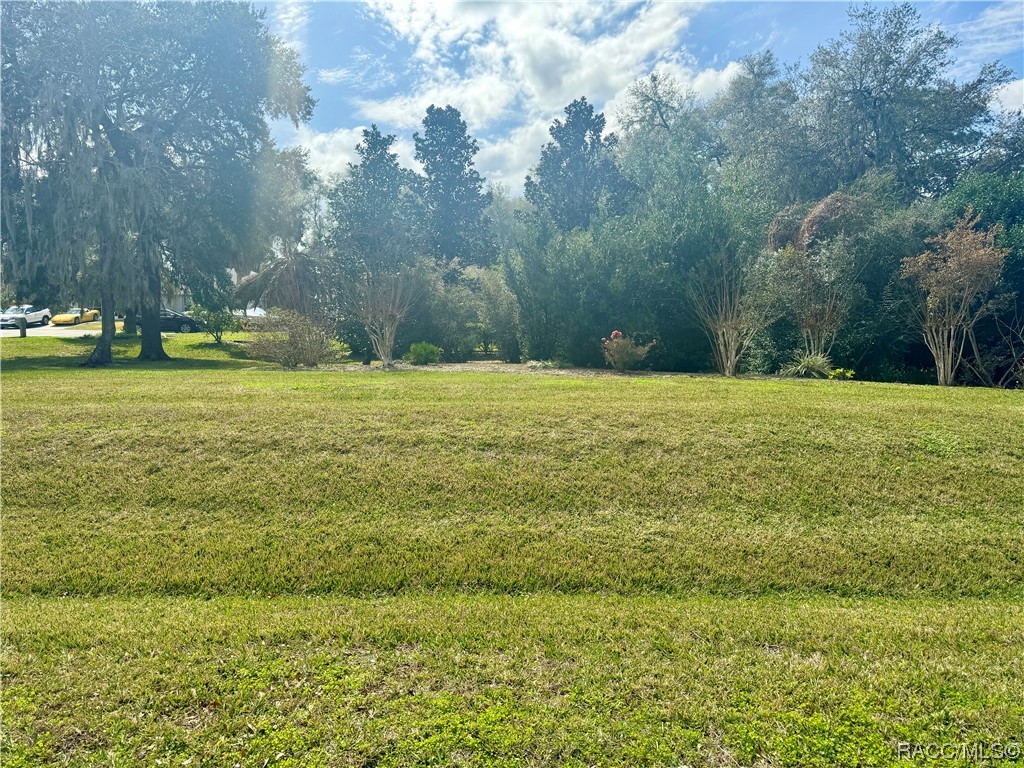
<point x="215" y="321"/>
<point x="424" y="353"/>
<point x="622" y="353"/>
<point x="289" y="339"/>
<point x="809" y="367"/>
<point x="842" y="373"/>
<point x="447" y="316"/>
<point x="499" y="313"/>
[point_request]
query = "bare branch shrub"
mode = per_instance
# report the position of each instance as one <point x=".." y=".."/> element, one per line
<point x="289" y="339"/>
<point x="381" y="301"/>
<point x="731" y="305"/>
<point x="818" y="287"/>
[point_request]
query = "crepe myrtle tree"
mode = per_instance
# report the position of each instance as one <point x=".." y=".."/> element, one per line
<point x="733" y="302"/>
<point x="381" y="300"/>
<point x="952" y="284"/>
<point x="817" y="288"/>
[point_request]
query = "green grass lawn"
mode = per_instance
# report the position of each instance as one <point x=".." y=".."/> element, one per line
<point x="216" y="560"/>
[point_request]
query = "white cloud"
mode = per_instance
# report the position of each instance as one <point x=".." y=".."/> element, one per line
<point x="1010" y="97"/>
<point x="336" y="76"/>
<point x="508" y="159"/>
<point x="708" y="82"/>
<point x="329" y="152"/>
<point x="406" y="151"/>
<point x="290" y="22"/>
<point x="602" y="68"/>
<point x="364" y="71"/>
<point x="432" y="26"/>
<point x="509" y="67"/>
<point x="482" y="100"/>
<point x="996" y="33"/>
<point x="548" y="52"/>
<point x="518" y="64"/>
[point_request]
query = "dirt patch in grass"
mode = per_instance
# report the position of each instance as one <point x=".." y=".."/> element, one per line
<point x="496" y="366"/>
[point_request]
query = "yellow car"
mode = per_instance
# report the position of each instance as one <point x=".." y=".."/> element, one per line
<point x="75" y="315"/>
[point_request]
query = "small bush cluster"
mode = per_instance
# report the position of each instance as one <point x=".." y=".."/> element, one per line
<point x="289" y="339"/>
<point x="424" y="353"/>
<point x="215" y="321"/>
<point x="622" y="353"/>
<point x="816" y="367"/>
<point x="808" y="367"/>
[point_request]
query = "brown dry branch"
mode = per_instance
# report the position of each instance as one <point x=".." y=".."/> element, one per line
<point x="953" y="282"/>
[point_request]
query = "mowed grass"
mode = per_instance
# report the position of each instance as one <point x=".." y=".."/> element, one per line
<point x="218" y="562"/>
<point x="567" y="680"/>
<point x="229" y="480"/>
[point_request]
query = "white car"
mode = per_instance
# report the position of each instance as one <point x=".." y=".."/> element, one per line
<point x="11" y="315"/>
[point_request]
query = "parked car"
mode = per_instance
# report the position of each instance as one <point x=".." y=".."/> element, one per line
<point x="32" y="315"/>
<point x="175" y="322"/>
<point x="76" y="315"/>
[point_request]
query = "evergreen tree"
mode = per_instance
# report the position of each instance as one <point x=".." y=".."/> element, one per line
<point x="453" y="195"/>
<point x="576" y="169"/>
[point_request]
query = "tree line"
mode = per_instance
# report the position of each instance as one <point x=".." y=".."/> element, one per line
<point x="865" y="211"/>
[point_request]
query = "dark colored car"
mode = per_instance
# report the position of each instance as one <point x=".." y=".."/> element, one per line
<point x="175" y="322"/>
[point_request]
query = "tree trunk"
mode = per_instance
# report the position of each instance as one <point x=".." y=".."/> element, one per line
<point x="152" y="343"/>
<point x="941" y="343"/>
<point x="732" y="359"/>
<point x="817" y="343"/>
<point x="131" y="320"/>
<point x="103" y="354"/>
<point x="382" y="347"/>
<point x="728" y="348"/>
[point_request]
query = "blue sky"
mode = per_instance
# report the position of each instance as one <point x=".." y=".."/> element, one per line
<point x="511" y="67"/>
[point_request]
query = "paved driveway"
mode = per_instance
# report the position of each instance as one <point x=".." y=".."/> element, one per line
<point x="68" y="331"/>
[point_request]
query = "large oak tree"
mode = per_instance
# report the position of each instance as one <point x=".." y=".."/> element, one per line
<point x="138" y="132"/>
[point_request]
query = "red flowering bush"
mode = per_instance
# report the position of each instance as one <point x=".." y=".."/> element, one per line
<point x="622" y="353"/>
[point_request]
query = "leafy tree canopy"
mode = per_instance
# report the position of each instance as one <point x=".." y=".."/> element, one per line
<point x="882" y="96"/>
<point x="576" y="169"/>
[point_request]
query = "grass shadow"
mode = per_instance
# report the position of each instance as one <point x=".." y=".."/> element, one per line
<point x="186" y="353"/>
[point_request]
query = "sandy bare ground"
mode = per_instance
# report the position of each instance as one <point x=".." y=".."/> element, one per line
<point x="494" y="366"/>
<point x="476" y="366"/>
<point x="65" y="331"/>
